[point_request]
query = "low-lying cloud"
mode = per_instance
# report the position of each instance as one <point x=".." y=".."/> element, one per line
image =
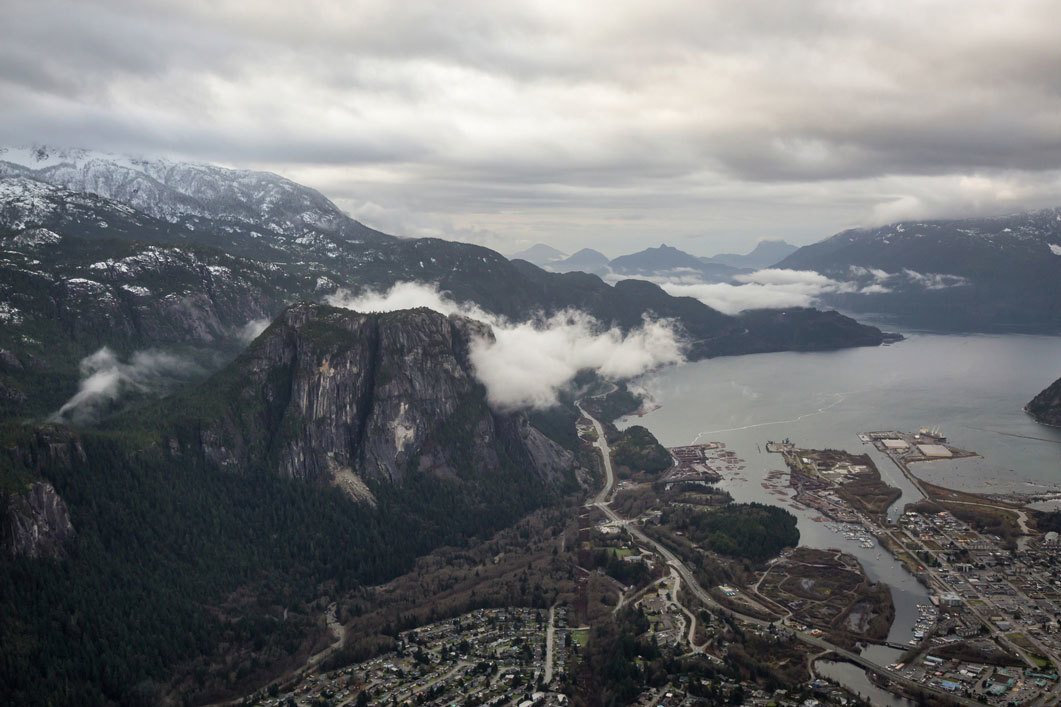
<point x="252" y="329"/>
<point x="772" y="288"/>
<point x="527" y="364"/>
<point x="777" y="288"/>
<point x="105" y="379"/>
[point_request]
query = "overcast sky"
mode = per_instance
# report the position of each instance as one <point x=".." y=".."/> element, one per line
<point x="613" y="125"/>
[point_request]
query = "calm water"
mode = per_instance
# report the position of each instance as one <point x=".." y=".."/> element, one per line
<point x="856" y="680"/>
<point x="973" y="387"/>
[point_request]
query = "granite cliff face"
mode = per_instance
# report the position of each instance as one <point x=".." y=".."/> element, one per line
<point x="35" y="523"/>
<point x="1046" y="406"/>
<point x="358" y="400"/>
<point x="34" y="520"/>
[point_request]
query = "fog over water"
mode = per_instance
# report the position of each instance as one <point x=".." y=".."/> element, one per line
<point x="972" y="387"/>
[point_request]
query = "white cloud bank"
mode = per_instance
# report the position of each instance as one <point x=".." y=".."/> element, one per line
<point x="777" y="288"/>
<point x="105" y="378"/>
<point x="527" y="364"/>
<point x="765" y="289"/>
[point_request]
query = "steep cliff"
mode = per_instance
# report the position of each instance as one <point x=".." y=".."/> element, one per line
<point x="1046" y="406"/>
<point x="358" y="400"/>
<point x="34" y="520"/>
<point x="34" y="523"/>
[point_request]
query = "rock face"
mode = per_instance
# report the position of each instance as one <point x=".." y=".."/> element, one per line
<point x="34" y="523"/>
<point x="1046" y="406"/>
<point x="358" y="400"/>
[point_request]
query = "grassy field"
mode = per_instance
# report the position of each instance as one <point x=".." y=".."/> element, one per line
<point x="580" y="636"/>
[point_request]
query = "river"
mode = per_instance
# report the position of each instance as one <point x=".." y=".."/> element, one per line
<point x="973" y="387"/>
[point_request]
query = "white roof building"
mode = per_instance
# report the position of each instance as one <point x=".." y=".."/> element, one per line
<point x="934" y="450"/>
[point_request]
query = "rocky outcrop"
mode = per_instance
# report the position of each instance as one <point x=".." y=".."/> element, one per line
<point x="1046" y="406"/>
<point x="357" y="400"/>
<point x="34" y="523"/>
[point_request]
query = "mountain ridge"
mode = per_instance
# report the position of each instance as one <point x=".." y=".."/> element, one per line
<point x="766" y="253"/>
<point x="979" y="274"/>
<point x="81" y="271"/>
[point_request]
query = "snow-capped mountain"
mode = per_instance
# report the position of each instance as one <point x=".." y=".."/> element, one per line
<point x="971" y="274"/>
<point x="179" y="191"/>
<point x="958" y="246"/>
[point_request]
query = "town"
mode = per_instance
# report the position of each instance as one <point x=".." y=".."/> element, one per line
<point x="989" y="635"/>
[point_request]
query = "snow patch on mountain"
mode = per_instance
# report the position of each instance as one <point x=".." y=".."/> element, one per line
<point x="173" y="190"/>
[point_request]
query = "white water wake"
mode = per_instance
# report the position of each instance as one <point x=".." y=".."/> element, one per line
<point x="839" y="398"/>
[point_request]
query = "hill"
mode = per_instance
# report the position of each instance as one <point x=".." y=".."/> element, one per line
<point x="1046" y="406"/>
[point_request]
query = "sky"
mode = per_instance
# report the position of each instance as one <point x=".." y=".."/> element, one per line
<point x="612" y="125"/>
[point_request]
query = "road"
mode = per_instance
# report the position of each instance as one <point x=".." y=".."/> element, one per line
<point x="601" y="501"/>
<point x="690" y="616"/>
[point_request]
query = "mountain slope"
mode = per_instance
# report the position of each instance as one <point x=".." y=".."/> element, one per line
<point x="255" y="214"/>
<point x="173" y="191"/>
<point x="974" y="274"/>
<point x="1046" y="406"/>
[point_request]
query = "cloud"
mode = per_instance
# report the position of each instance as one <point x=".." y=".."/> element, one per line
<point x="105" y="379"/>
<point x="527" y="364"/>
<point x="934" y="280"/>
<point x="778" y="288"/>
<point x="772" y="288"/>
<point x="876" y="274"/>
<point x="968" y="195"/>
<point x="252" y="329"/>
<point x="592" y="123"/>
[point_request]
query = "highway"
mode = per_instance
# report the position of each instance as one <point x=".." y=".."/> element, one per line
<point x="602" y="501"/>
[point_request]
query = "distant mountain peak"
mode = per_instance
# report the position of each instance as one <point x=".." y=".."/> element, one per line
<point x="766" y="252"/>
<point x="539" y="254"/>
<point x="584" y="260"/>
<point x="667" y="259"/>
